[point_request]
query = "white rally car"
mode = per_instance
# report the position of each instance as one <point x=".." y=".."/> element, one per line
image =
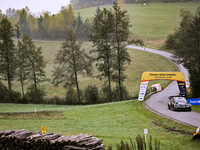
<point x="178" y="103"/>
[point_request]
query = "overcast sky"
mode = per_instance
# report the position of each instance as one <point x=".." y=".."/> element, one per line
<point x="35" y="6"/>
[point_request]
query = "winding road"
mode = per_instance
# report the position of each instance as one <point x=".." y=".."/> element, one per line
<point x="158" y="102"/>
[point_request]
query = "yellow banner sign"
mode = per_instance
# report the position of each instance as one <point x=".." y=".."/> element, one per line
<point x="178" y="76"/>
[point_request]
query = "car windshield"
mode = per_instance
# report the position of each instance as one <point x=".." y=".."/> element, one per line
<point x="180" y="101"/>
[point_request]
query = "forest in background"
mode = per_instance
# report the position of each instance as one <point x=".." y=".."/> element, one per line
<point x="47" y="26"/>
<point x="56" y="26"/>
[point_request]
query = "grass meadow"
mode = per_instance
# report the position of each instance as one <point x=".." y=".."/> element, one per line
<point x="119" y="120"/>
<point x="151" y="23"/>
<point x="111" y="121"/>
<point x="140" y="61"/>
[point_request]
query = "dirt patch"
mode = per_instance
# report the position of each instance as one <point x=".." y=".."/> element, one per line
<point x="171" y="128"/>
<point x="33" y="115"/>
<point x="156" y="42"/>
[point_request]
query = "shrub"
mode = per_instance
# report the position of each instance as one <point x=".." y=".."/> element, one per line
<point x="104" y="94"/>
<point x="16" y="97"/>
<point x="32" y="97"/>
<point x="3" y="93"/>
<point x="54" y="100"/>
<point x="135" y="96"/>
<point x="116" y="93"/>
<point x="91" y="94"/>
<point x="22" y="100"/>
<point x="71" y="97"/>
<point x="59" y="101"/>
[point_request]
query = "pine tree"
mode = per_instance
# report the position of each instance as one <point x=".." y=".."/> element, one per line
<point x="34" y="63"/>
<point x="98" y="11"/>
<point x="41" y="31"/>
<point x="120" y="40"/>
<point x="121" y="34"/>
<point x="71" y="62"/>
<point x="101" y="36"/>
<point x="23" y="21"/>
<point x="7" y="54"/>
<point x="185" y="43"/>
<point x="79" y="26"/>
<point x="20" y="57"/>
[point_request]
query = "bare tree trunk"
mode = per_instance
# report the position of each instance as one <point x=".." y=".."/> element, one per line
<point x="21" y="80"/>
<point x="109" y="78"/>
<point x="9" y="87"/>
<point x="9" y="78"/>
<point x="35" y="82"/>
<point x="20" y="70"/>
<point x="77" y="86"/>
<point x="76" y="79"/>
<point x="110" y="94"/>
<point x="119" y="73"/>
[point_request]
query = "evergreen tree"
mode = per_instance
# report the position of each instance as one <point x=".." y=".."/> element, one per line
<point x="185" y="43"/>
<point x="41" y="31"/>
<point x="23" y="22"/>
<point x="121" y="33"/>
<point x="101" y="36"/>
<point x="98" y="11"/>
<point x="2" y="15"/>
<point x="34" y="63"/>
<point x="71" y="61"/>
<point x="79" y="26"/>
<point x="120" y="40"/>
<point x="20" y="57"/>
<point x="7" y="53"/>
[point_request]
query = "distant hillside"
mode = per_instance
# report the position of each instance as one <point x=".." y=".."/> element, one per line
<point x="78" y="4"/>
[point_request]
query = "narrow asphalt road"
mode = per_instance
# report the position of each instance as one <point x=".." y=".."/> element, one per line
<point x="158" y="102"/>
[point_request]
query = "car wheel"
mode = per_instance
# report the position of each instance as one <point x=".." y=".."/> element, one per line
<point x="169" y="107"/>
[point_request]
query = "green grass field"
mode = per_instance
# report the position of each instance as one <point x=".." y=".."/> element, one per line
<point x="152" y="23"/>
<point x="111" y="121"/>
